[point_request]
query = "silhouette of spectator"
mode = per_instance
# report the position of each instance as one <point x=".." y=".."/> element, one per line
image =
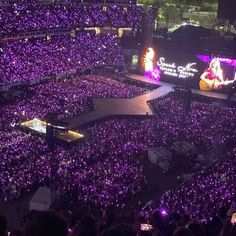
<point x="16" y="232"/>
<point x="181" y="231"/>
<point x="48" y="223"/>
<point x="120" y="230"/>
<point x="3" y="226"/>
<point x="86" y="227"/>
<point x="197" y="229"/>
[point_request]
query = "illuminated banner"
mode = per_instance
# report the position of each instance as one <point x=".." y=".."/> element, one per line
<point x="188" y="69"/>
<point x="178" y="71"/>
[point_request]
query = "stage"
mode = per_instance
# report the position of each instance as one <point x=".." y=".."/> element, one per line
<point x="138" y="106"/>
<point x="195" y="91"/>
<point x="60" y="133"/>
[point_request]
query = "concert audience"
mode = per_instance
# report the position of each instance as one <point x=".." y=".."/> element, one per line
<point x="112" y="147"/>
<point x="33" y="59"/>
<point x="67" y="97"/>
<point x="104" y="170"/>
<point x="22" y="152"/>
<point x="109" y="156"/>
<point x="48" y="223"/>
<point x="38" y="16"/>
<point x="3" y="226"/>
<point x="87" y="226"/>
<point x="202" y="190"/>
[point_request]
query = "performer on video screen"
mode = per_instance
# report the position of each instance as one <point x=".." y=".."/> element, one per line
<point x="212" y="78"/>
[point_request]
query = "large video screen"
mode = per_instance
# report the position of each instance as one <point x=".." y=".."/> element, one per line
<point x="201" y="71"/>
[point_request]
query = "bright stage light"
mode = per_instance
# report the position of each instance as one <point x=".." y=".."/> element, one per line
<point x="62" y="132"/>
<point x="148" y="60"/>
<point x="151" y="70"/>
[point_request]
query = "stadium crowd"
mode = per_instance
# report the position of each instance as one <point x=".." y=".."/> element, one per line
<point x="65" y="97"/>
<point x="38" y="16"/>
<point x="105" y="169"/>
<point x="199" y="197"/>
<point x="32" y="59"/>
<point x="109" y="157"/>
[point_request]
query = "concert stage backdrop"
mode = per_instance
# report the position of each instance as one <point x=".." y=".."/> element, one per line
<point x="182" y="68"/>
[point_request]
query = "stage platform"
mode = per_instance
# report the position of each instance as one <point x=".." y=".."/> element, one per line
<point x="195" y="91"/>
<point x="104" y="107"/>
<point x="61" y="133"/>
<point x="124" y="107"/>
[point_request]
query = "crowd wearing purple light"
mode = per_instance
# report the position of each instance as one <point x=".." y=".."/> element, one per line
<point x="22" y="162"/>
<point x="66" y="97"/>
<point x="105" y="169"/>
<point x="20" y="17"/>
<point x="109" y="156"/>
<point x="32" y="59"/>
<point x="208" y="192"/>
